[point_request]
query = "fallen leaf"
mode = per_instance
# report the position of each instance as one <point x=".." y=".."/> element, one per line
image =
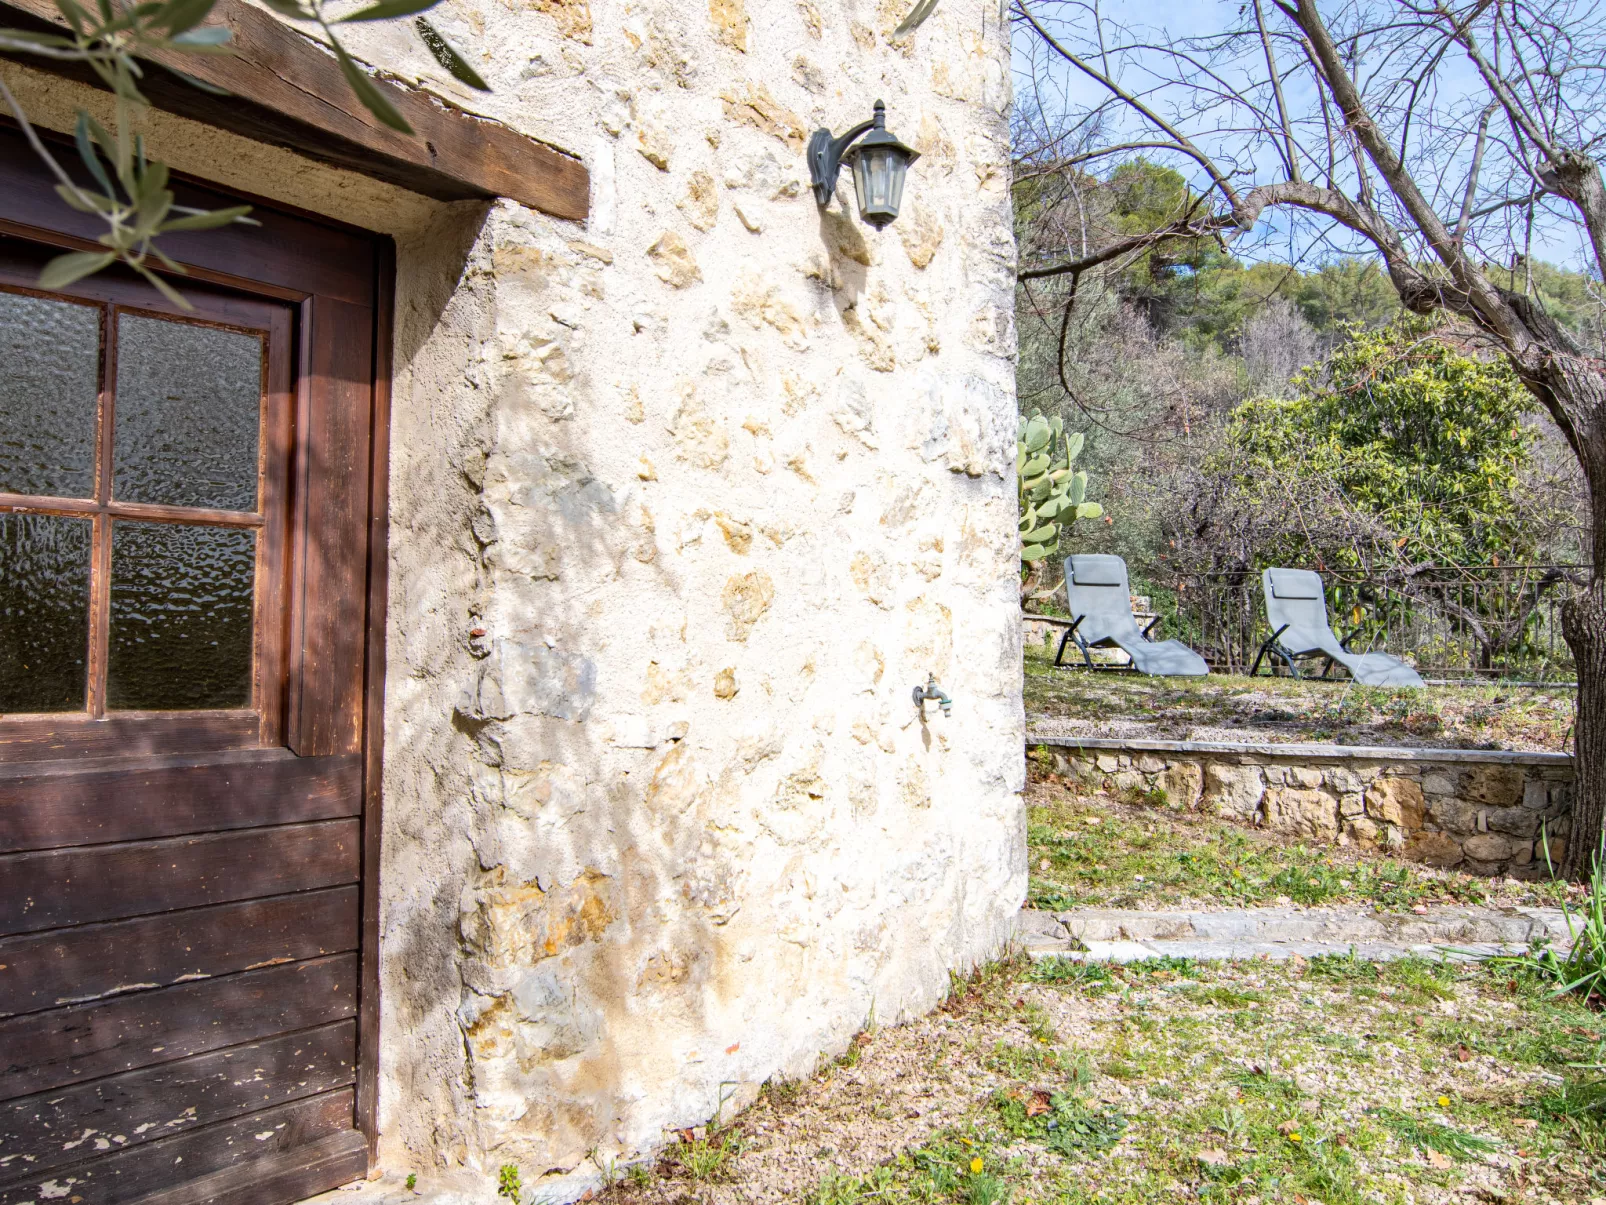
<point x="1288" y="1127"/>
<point x="1038" y="1105"/>
<point x="1215" y="1157"/>
<point x="1525" y="1123"/>
<point x="1440" y="1161"/>
<point x="1462" y="1054"/>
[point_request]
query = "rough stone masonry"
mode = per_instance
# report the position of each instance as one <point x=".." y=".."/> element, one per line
<point x="687" y="500"/>
<point x="1487" y="812"/>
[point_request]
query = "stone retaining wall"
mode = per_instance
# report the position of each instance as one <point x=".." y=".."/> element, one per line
<point x="1483" y="811"/>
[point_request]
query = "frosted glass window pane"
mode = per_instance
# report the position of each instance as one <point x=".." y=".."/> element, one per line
<point x="181" y="617"/>
<point x="44" y="612"/>
<point x="49" y="383"/>
<point x="189" y="401"/>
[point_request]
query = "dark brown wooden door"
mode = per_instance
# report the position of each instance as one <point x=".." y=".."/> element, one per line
<point x="186" y="536"/>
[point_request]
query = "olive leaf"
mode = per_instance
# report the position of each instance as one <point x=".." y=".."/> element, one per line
<point x="375" y="101"/>
<point x="387" y="9"/>
<point x="916" y="18"/>
<point x="74" y="266"/>
<point x="448" y="57"/>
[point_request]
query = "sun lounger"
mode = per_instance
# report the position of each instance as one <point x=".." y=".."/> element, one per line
<point x="1101" y="617"/>
<point x="1296" y="611"/>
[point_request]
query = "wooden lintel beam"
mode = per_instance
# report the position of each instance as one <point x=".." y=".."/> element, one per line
<point x="285" y="89"/>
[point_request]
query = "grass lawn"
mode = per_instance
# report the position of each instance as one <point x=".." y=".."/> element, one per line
<point x="1220" y="707"/>
<point x="1326" y="1081"/>
<point x="1088" y="849"/>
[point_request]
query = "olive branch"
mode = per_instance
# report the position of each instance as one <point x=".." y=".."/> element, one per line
<point x="131" y="194"/>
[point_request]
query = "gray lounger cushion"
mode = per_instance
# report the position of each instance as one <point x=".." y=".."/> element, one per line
<point x="1296" y="602"/>
<point x="1097" y="589"/>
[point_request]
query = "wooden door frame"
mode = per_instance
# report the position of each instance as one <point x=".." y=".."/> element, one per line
<point x="253" y="261"/>
<point x="373" y="752"/>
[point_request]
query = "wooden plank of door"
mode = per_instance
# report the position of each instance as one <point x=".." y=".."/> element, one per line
<point x="87" y="962"/>
<point x="42" y="1051"/>
<point x="57" y="887"/>
<point x="127" y="735"/>
<point x="51" y="805"/>
<point x="302" y="1172"/>
<point x="123" y="1176"/>
<point x="330" y="552"/>
<point x="37" y="1132"/>
<point x="282" y="88"/>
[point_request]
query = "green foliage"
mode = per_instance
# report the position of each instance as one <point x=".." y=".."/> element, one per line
<point x="509" y="1183"/>
<point x="1052" y="494"/>
<point x="707" y="1158"/>
<point x="1059" y="1121"/>
<point x="1434" y="1135"/>
<point x="412" y="1181"/>
<point x="1582" y="970"/>
<point x="1425" y="438"/>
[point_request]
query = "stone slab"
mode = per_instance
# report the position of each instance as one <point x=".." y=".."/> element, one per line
<point x="1445" y="923"/>
<point x="1307" y="751"/>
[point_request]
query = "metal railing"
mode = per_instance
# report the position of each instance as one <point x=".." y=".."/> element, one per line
<point x="1465" y="623"/>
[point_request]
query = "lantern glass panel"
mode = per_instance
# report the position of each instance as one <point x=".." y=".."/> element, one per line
<point x="872" y="170"/>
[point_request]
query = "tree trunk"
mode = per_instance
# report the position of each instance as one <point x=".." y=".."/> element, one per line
<point x="1031" y="581"/>
<point x="1583" y="623"/>
<point x="1577" y="393"/>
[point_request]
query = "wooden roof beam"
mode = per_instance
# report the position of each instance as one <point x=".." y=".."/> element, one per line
<point x="287" y="90"/>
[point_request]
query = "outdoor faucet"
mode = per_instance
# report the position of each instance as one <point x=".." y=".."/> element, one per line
<point x="935" y="693"/>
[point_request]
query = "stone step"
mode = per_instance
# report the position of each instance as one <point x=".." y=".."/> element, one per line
<point x="1127" y="935"/>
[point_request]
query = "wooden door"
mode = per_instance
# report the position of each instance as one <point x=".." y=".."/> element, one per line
<point x="188" y="528"/>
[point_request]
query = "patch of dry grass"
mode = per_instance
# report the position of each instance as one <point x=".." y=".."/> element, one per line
<point x="1222" y="707"/>
<point x="1332" y="1081"/>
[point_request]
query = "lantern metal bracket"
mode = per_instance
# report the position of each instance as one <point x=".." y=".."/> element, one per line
<point x="825" y="154"/>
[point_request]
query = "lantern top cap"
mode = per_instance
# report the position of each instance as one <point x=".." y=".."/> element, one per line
<point x="878" y="137"/>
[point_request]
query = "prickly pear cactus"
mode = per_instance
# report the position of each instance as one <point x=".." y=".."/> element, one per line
<point x="1052" y="493"/>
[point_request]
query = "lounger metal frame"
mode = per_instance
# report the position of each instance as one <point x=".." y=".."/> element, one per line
<point x="1271" y="646"/>
<point x="1131" y="666"/>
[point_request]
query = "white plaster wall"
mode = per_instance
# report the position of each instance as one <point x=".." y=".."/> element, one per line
<point x="686" y="500"/>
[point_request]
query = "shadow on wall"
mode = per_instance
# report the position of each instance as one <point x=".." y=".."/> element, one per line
<point x="555" y="884"/>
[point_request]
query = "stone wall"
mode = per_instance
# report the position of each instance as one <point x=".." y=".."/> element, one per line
<point x="717" y="480"/>
<point x="686" y="499"/>
<point x="1487" y="812"/>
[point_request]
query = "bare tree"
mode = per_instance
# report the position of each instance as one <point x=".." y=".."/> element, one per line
<point x="1277" y="342"/>
<point x="1440" y="136"/>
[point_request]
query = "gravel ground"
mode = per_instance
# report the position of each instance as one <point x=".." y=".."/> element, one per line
<point x="1063" y="702"/>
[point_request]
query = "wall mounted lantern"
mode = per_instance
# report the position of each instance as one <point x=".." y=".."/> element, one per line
<point x="879" y="164"/>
